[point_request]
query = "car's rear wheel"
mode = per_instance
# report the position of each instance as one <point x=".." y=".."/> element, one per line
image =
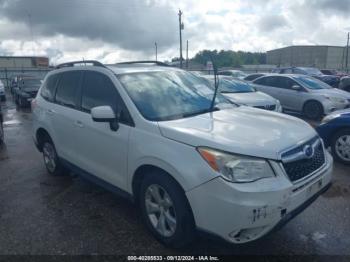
<point x="341" y="146"/>
<point x="166" y="211"/>
<point x="313" y="110"/>
<point x="51" y="160"/>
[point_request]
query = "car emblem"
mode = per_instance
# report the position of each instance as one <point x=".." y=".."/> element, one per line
<point x="308" y="151"/>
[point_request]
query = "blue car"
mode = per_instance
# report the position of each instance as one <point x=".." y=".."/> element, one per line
<point x="335" y="132"/>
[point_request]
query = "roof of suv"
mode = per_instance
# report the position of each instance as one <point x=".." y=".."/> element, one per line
<point x="122" y="68"/>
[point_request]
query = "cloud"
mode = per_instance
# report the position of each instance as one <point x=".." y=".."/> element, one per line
<point x="132" y="24"/>
<point x="120" y="30"/>
<point x="272" y="22"/>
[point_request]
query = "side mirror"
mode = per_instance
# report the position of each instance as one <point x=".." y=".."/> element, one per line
<point x="296" y="87"/>
<point x="105" y="114"/>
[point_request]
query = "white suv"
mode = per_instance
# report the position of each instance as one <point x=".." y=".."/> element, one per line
<point x="150" y="132"/>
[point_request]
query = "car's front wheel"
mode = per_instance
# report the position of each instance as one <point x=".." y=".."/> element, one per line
<point x="341" y="146"/>
<point x="313" y="110"/>
<point x="166" y="211"/>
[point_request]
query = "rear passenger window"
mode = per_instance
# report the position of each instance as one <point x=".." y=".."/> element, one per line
<point x="67" y="88"/>
<point x="49" y="88"/>
<point x="98" y="90"/>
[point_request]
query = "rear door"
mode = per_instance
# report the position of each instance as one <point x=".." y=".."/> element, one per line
<point x="102" y="151"/>
<point x="64" y="114"/>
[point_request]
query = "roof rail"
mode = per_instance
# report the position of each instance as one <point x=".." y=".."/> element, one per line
<point x="143" y="62"/>
<point x="83" y="62"/>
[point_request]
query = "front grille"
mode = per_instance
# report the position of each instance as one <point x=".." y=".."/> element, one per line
<point x="303" y="167"/>
<point x="267" y="107"/>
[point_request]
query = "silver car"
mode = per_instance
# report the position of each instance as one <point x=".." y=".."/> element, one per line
<point x="242" y="93"/>
<point x="303" y="94"/>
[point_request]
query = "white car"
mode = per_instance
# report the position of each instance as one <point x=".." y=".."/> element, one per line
<point x="242" y="93"/>
<point x="2" y="92"/>
<point x="153" y="134"/>
<point x="303" y="94"/>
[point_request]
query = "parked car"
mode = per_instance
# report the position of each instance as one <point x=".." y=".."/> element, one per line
<point x="252" y="77"/>
<point x="154" y="134"/>
<point x="243" y="93"/>
<point x="1" y="126"/>
<point x="335" y="132"/>
<point x="2" y="92"/>
<point x="15" y="81"/>
<point x="345" y="83"/>
<point x="303" y="94"/>
<point x="234" y="73"/>
<point x="26" y="91"/>
<point x="332" y="72"/>
<point x="310" y="71"/>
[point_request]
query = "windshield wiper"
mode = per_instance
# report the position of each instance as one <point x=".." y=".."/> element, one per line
<point x="201" y="112"/>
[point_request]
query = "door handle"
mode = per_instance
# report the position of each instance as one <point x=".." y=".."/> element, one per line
<point x="79" y="124"/>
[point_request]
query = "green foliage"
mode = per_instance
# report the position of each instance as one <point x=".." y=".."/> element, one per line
<point x="229" y="58"/>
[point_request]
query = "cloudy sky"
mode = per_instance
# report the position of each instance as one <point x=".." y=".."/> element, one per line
<point x="119" y="30"/>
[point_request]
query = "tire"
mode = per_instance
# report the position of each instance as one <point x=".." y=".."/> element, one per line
<point x="1" y="133"/>
<point x="313" y="110"/>
<point x="340" y="144"/>
<point x="51" y="160"/>
<point x="347" y="88"/>
<point x="22" y="102"/>
<point x="178" y="228"/>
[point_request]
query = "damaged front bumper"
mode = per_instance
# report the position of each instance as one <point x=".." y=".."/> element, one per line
<point x="241" y="213"/>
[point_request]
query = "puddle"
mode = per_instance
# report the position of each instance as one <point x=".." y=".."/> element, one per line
<point x="12" y="123"/>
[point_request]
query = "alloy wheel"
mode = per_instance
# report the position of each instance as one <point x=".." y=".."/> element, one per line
<point x="160" y="210"/>
<point x="342" y="147"/>
<point x="49" y="157"/>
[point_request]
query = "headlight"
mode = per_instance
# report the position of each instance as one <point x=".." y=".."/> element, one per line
<point x="278" y="106"/>
<point x="236" y="168"/>
<point x="329" y="118"/>
<point x="335" y="99"/>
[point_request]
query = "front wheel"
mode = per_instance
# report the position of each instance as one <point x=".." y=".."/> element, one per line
<point x="313" y="110"/>
<point x="341" y="146"/>
<point x="166" y="211"/>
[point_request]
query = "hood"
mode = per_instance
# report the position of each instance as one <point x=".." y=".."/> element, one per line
<point x="334" y="92"/>
<point x="251" y="99"/>
<point x="242" y="130"/>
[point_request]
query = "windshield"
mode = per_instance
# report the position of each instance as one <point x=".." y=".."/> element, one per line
<point x="228" y="86"/>
<point x="167" y="95"/>
<point x="311" y="83"/>
<point x="311" y="71"/>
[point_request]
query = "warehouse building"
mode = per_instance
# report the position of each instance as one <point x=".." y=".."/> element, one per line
<point x="323" y="57"/>
<point x="18" y="62"/>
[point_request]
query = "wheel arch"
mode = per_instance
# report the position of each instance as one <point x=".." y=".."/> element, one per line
<point x="144" y="170"/>
<point x="41" y="134"/>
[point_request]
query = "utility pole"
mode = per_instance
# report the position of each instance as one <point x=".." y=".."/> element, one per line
<point x="187" y="54"/>
<point x="181" y="27"/>
<point x="347" y="54"/>
<point x="155" y="43"/>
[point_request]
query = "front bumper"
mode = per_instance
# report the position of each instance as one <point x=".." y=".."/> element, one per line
<point x="241" y="213"/>
<point x="330" y="107"/>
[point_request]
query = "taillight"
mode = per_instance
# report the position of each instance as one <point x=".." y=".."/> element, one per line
<point x="33" y="104"/>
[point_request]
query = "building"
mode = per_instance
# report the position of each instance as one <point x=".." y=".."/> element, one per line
<point x="19" y="62"/>
<point x="11" y="66"/>
<point x="323" y="57"/>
